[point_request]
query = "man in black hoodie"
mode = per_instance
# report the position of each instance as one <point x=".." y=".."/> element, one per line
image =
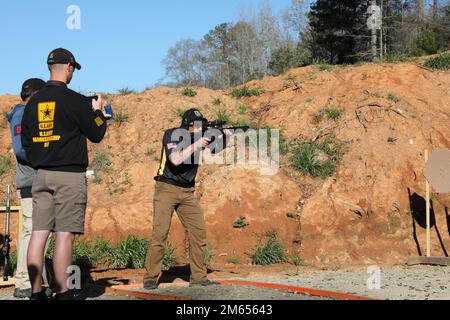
<point x="56" y="125"/>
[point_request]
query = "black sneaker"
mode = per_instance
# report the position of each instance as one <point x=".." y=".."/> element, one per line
<point x="39" y="296"/>
<point x="68" y="295"/>
<point x="22" y="293"/>
<point x="150" y="285"/>
<point x="206" y="283"/>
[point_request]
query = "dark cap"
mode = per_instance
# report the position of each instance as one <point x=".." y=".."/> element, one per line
<point x="62" y="56"/>
<point x="31" y="86"/>
<point x="191" y="116"/>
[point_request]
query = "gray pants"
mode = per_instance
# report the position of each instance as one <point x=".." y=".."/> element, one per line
<point x="21" y="278"/>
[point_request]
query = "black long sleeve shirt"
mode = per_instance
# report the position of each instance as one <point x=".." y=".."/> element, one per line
<point x="56" y="125"/>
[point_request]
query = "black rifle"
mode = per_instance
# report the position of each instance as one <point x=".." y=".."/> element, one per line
<point x="219" y="125"/>
<point x="7" y="239"/>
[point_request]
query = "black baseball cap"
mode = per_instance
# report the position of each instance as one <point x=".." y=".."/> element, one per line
<point x="191" y="116"/>
<point x="31" y="86"/>
<point x="62" y="56"/>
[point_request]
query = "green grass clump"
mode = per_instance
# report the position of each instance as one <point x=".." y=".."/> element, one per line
<point x="180" y="112"/>
<point x="241" y="223"/>
<point x="5" y="164"/>
<point x="208" y="255"/>
<point x="234" y="260"/>
<point x="391" y="58"/>
<point x="441" y="62"/>
<point x="222" y="115"/>
<point x="120" y="117"/>
<point x="170" y="258"/>
<point x="189" y="92"/>
<point x="323" y="66"/>
<point x="101" y="162"/>
<point x="242" y="108"/>
<point x="125" y="91"/>
<point x="150" y="152"/>
<point x="305" y="158"/>
<point x="271" y="252"/>
<point x="246" y="92"/>
<point x="241" y="123"/>
<point x="129" y="253"/>
<point x="217" y="102"/>
<point x="331" y="113"/>
<point x="393" y="98"/>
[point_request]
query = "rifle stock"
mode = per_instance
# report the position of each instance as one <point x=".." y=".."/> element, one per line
<point x="7" y="238"/>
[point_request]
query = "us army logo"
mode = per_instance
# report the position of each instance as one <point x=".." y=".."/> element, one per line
<point x="46" y="118"/>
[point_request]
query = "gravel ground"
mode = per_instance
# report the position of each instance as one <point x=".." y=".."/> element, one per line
<point x="400" y="283"/>
<point x="232" y="293"/>
<point x="397" y="283"/>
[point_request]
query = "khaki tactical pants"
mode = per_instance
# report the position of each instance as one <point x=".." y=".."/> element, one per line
<point x="21" y="278"/>
<point x="167" y="199"/>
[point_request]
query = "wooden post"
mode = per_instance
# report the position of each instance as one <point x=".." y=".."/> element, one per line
<point x="428" y="211"/>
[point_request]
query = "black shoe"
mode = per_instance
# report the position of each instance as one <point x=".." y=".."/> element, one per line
<point x="68" y="295"/>
<point x="39" y="296"/>
<point x="150" y="285"/>
<point x="22" y="293"/>
<point x="206" y="283"/>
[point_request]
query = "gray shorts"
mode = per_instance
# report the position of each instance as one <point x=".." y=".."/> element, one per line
<point x="59" y="201"/>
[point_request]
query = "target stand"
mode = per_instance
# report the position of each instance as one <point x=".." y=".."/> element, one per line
<point x="437" y="175"/>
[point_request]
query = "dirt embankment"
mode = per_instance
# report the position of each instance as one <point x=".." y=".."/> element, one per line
<point x="365" y="213"/>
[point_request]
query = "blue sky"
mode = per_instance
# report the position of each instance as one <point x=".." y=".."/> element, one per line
<point x="121" y="43"/>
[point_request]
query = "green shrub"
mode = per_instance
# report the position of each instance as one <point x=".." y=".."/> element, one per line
<point x="241" y="223"/>
<point x="5" y="164"/>
<point x="217" y="102"/>
<point x="125" y="91"/>
<point x="428" y="43"/>
<point x="130" y="253"/>
<point x="170" y="258"/>
<point x="189" y="92"/>
<point x="305" y="158"/>
<point x="272" y="252"/>
<point x="441" y="62"/>
<point x="323" y="66"/>
<point x="246" y="92"/>
<point x="86" y="254"/>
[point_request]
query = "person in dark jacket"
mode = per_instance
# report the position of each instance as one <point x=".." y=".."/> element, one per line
<point x="24" y="182"/>
<point x="56" y="126"/>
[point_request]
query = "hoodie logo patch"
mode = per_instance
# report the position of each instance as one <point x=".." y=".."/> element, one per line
<point x="17" y="130"/>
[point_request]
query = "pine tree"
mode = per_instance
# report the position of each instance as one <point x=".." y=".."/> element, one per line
<point x="338" y="29"/>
